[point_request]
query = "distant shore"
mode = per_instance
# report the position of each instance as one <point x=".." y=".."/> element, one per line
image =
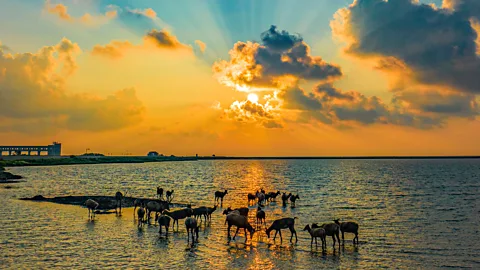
<point x="78" y="160"/>
<point x="75" y="160"/>
<point x="338" y="157"/>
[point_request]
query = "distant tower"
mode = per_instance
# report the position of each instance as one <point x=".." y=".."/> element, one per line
<point x="55" y="149"/>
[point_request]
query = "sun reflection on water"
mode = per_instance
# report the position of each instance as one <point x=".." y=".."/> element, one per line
<point x="388" y="203"/>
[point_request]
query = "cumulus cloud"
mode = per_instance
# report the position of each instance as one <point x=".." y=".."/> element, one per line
<point x="248" y="111"/>
<point x="34" y="95"/>
<point x="282" y="60"/>
<point x="437" y="45"/>
<point x="264" y="65"/>
<point x="61" y="11"/>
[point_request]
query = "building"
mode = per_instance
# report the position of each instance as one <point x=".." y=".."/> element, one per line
<point x="152" y="154"/>
<point x="54" y="149"/>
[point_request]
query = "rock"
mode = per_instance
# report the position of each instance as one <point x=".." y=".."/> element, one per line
<point x="38" y="198"/>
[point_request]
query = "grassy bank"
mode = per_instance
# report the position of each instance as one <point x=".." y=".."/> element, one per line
<point x="87" y="160"/>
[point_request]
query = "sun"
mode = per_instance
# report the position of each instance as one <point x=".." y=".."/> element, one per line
<point x="253" y="98"/>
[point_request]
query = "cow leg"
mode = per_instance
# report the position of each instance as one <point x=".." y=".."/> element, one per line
<point x="236" y="233"/>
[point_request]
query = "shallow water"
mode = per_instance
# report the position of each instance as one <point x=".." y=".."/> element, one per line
<point x="412" y="214"/>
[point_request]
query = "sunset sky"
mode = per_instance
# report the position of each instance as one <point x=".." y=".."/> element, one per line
<point x="242" y="77"/>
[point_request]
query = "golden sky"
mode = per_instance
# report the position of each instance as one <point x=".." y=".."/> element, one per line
<point x="242" y="78"/>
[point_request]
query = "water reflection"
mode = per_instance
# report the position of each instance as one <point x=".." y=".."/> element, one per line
<point x="389" y="199"/>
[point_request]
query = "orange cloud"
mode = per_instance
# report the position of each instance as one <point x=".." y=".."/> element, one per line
<point x="249" y="111"/>
<point x="476" y="26"/>
<point x="61" y="11"/>
<point x="112" y="50"/>
<point x="201" y="45"/>
<point x="259" y="67"/>
<point x="164" y="39"/>
<point x="35" y="97"/>
<point x="158" y="39"/>
<point x="282" y="61"/>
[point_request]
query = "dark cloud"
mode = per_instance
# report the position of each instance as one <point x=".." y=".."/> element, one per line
<point x="328" y="92"/>
<point x="34" y="94"/>
<point x="297" y="99"/>
<point x="279" y="40"/>
<point x="444" y="104"/>
<point x="267" y="64"/>
<point x="437" y="44"/>
<point x="467" y="8"/>
<point x="272" y="124"/>
<point x="423" y="110"/>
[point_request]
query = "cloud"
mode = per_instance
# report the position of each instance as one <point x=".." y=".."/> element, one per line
<point x="159" y="39"/>
<point x="164" y="39"/>
<point x="467" y="8"/>
<point x="253" y="112"/>
<point x="280" y="58"/>
<point x="446" y="104"/>
<point x="114" y="49"/>
<point x="476" y="26"/>
<point x="201" y="45"/>
<point x="34" y="95"/>
<point x="297" y="99"/>
<point x="279" y="40"/>
<point x="437" y="45"/>
<point x="424" y="109"/>
<point x="138" y="19"/>
<point x="61" y="11"/>
<point x="67" y="52"/>
<point x="329" y="92"/>
<point x="4" y="47"/>
<point x="148" y="12"/>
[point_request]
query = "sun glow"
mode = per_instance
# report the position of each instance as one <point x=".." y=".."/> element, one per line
<point x="253" y="98"/>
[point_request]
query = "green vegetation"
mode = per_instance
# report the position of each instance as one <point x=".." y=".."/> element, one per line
<point x="87" y="160"/>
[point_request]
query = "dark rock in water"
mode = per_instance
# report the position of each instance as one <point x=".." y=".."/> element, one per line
<point x="105" y="202"/>
<point x="6" y="177"/>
